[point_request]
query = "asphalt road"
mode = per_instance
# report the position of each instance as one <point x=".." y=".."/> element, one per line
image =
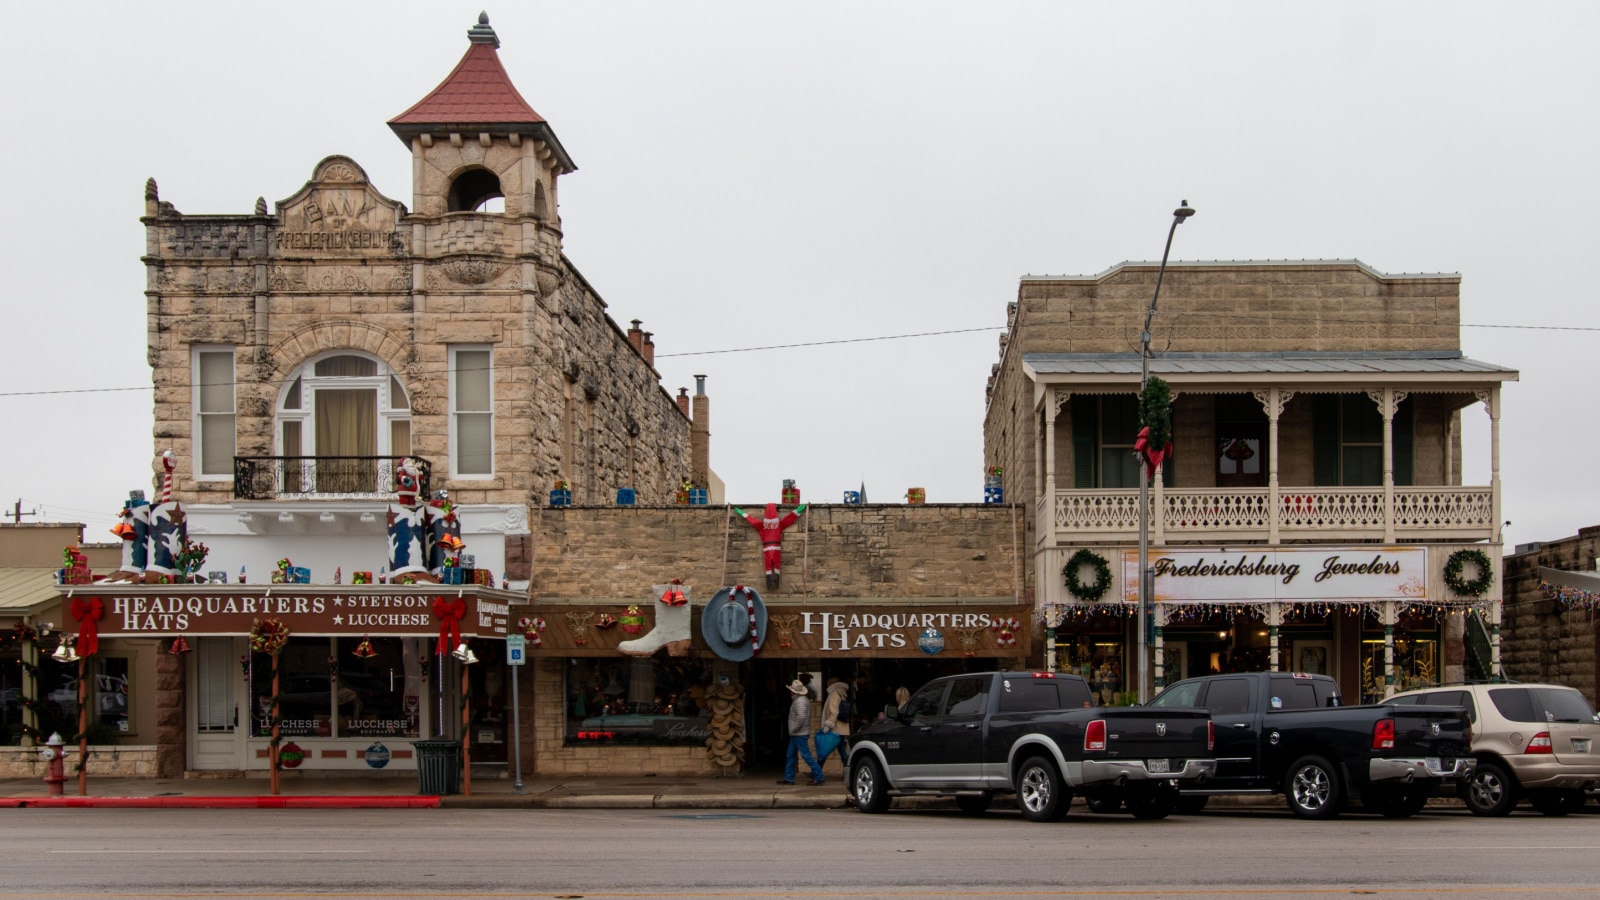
<point x="784" y="853"/>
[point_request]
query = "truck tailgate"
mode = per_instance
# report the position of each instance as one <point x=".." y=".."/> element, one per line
<point x="1430" y="731"/>
<point x="1147" y="733"/>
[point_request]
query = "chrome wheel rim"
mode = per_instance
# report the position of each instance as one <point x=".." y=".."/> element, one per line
<point x="865" y="785"/>
<point x="1035" y="790"/>
<point x="1487" y="790"/>
<point x="1312" y="789"/>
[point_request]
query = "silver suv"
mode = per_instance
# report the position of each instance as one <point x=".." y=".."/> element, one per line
<point x="1540" y="741"/>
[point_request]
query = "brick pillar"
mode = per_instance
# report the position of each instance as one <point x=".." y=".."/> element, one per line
<point x="683" y="401"/>
<point x="636" y="338"/>
<point x="649" y="350"/>
<point x="171" y="746"/>
<point x="700" y="435"/>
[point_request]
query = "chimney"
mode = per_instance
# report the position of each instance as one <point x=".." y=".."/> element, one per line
<point x="700" y="434"/>
<point x="636" y="338"/>
<point x="683" y="401"/>
<point x="649" y="350"/>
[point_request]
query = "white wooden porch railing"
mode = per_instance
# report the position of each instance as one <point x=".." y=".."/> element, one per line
<point x="1302" y="513"/>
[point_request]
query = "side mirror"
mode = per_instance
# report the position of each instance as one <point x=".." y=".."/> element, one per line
<point x="891" y="711"/>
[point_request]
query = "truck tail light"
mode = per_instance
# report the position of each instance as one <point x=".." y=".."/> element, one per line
<point x="1383" y="735"/>
<point x="1094" y="737"/>
<point x="1211" y="735"/>
<point x="1540" y="744"/>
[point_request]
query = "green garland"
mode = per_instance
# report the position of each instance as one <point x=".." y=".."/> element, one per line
<point x="1155" y="412"/>
<point x="1102" y="575"/>
<point x="1478" y="586"/>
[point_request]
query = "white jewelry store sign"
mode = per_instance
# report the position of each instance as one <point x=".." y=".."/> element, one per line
<point x="1369" y="572"/>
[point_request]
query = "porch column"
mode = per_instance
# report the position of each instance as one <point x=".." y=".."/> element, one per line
<point x="1389" y="617"/>
<point x="1496" y="610"/>
<point x="1274" y="619"/>
<point x="1273" y="400"/>
<point x="1450" y="434"/>
<point x="1052" y="619"/>
<point x="1491" y="401"/>
<point x="1052" y="409"/>
<point x="1388" y="399"/>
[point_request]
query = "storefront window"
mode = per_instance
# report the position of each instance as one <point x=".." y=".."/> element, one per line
<point x="57" y="697"/>
<point x="637" y="701"/>
<point x="111" y="693"/>
<point x="325" y="690"/>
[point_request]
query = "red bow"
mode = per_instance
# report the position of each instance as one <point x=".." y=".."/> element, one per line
<point x="449" y="613"/>
<point x="1153" y="456"/>
<point x="88" y="613"/>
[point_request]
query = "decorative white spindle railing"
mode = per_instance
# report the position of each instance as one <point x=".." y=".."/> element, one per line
<point x="1302" y="513"/>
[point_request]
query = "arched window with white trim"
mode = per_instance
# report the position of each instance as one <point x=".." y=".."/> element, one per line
<point x="340" y="415"/>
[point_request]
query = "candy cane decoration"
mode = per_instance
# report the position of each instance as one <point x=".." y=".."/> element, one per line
<point x="750" y="607"/>
<point x="168" y="465"/>
<point x="531" y="628"/>
<point x="1006" y="631"/>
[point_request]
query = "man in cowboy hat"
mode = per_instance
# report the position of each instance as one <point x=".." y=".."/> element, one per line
<point x="800" y="735"/>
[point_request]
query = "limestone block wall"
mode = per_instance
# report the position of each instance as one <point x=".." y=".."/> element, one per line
<point x="112" y="761"/>
<point x="338" y="266"/>
<point x="869" y="553"/>
<point x="1539" y="640"/>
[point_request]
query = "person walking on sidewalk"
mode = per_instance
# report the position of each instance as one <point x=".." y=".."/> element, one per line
<point x="836" y="719"/>
<point x="800" y="735"/>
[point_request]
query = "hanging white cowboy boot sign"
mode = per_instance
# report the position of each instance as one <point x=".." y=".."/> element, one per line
<point x="672" y="623"/>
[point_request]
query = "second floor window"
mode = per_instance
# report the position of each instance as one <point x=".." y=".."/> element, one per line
<point x="1104" y="429"/>
<point x="1347" y="441"/>
<point x="337" y="416"/>
<point x="471" y="412"/>
<point x="214" y="412"/>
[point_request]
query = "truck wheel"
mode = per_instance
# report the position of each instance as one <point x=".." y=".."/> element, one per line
<point x="1312" y="788"/>
<point x="1040" y="794"/>
<point x="1189" y="804"/>
<point x="869" y="786"/>
<point x="1557" y="802"/>
<point x="1103" y="805"/>
<point x="1156" y="804"/>
<point x="974" y="804"/>
<point x="1490" y="792"/>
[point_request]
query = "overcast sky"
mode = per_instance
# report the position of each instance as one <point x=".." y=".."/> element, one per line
<point x="755" y="174"/>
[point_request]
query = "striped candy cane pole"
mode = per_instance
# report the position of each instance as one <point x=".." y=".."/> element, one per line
<point x="168" y="464"/>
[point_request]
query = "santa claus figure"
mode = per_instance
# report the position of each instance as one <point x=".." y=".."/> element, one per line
<point x="770" y="527"/>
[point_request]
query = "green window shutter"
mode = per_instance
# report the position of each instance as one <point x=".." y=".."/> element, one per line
<point x="1404" y="442"/>
<point x="1325" y="440"/>
<point x="1085" y="452"/>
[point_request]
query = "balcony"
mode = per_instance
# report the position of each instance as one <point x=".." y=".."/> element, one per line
<point x="1216" y="515"/>
<point x="320" y="477"/>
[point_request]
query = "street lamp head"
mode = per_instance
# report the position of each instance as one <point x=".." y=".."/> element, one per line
<point x="1183" y="211"/>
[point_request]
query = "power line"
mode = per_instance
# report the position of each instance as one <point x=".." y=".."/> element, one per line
<point x="1131" y="318"/>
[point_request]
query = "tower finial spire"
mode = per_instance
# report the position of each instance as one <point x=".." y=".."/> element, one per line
<point x="481" y="33"/>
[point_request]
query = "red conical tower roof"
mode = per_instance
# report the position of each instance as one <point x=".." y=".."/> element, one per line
<point x="478" y="96"/>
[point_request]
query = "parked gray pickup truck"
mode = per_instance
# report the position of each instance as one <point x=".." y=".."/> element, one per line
<point x="1032" y="734"/>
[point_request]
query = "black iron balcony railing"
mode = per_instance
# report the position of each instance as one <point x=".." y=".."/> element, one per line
<point x="320" y="477"/>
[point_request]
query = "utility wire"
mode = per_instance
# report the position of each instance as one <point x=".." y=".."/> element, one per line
<point x="1131" y="318"/>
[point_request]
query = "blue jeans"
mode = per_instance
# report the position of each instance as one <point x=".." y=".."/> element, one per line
<point x="800" y="745"/>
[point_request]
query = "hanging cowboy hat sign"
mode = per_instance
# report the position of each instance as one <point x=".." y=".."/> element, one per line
<point x="734" y="623"/>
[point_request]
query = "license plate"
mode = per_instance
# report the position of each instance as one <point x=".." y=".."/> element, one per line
<point x="1580" y="745"/>
<point x="1158" y="765"/>
<point x="1432" y="763"/>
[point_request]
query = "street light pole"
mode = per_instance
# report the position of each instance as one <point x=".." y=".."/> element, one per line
<point x="1146" y="577"/>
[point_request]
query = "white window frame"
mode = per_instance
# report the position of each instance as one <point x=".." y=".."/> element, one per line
<point x="197" y="430"/>
<point x="455" y="413"/>
<point x="305" y="373"/>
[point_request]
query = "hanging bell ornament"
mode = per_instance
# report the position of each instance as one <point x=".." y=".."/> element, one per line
<point x="364" y="649"/>
<point x="66" y="653"/>
<point x="179" y="645"/>
<point x="464" y="653"/>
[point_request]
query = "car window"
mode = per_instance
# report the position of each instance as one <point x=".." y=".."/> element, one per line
<point x="967" y="696"/>
<point x="1451" y="698"/>
<point x="1292" y="693"/>
<point x="1562" y="704"/>
<point x="1407" y="700"/>
<point x="1516" y="704"/>
<point x="1019" y="695"/>
<point x="1184" y="693"/>
<point x="1228" y="697"/>
<point x="1074" y="694"/>
<point x="926" y="701"/>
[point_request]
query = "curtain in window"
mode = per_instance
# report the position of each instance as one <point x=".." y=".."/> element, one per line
<point x="347" y="425"/>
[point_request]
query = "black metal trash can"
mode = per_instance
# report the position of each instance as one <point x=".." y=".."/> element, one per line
<point x="438" y="767"/>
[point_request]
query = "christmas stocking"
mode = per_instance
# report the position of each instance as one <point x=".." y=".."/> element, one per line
<point x="672" y="624"/>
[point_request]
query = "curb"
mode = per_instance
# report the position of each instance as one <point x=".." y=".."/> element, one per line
<point x="317" y="802"/>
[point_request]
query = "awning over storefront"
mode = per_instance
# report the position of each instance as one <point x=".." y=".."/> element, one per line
<point x="381" y="610"/>
<point x="26" y="592"/>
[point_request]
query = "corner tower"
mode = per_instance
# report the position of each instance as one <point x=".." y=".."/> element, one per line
<point x="475" y="141"/>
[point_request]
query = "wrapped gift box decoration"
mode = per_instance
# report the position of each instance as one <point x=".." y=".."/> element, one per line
<point x="299" y="575"/>
<point x="561" y="497"/>
<point x="916" y="496"/>
<point x="698" y="496"/>
<point x="360" y="577"/>
<point x="626" y="497"/>
<point x="791" y="493"/>
<point x="994" y="495"/>
<point x="852" y="498"/>
<point x="484" y="577"/>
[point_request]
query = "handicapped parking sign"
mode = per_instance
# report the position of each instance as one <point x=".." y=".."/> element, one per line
<point x="516" y="649"/>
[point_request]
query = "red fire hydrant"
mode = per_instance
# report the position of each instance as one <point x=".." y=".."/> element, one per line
<point x="55" y="753"/>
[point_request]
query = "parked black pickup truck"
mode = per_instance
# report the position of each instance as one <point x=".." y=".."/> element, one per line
<point x="1280" y="732"/>
<point x="1033" y="734"/>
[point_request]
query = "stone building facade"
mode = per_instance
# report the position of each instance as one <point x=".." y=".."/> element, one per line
<point x="1316" y="416"/>
<point x="1546" y="639"/>
<point x="884" y="575"/>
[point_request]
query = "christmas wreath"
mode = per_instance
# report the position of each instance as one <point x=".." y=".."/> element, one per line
<point x="1102" y="575"/>
<point x="268" y="636"/>
<point x="1478" y="586"/>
